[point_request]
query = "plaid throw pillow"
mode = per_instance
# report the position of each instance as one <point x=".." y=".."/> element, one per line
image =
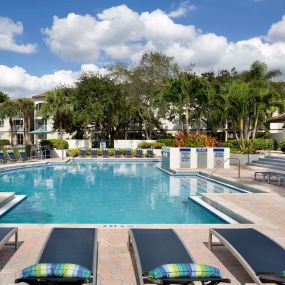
<point x="184" y="270"/>
<point x="56" y="270"/>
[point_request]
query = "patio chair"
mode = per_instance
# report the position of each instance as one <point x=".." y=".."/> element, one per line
<point x="11" y="155"/>
<point x="45" y="152"/>
<point x="105" y="152"/>
<point x="82" y="152"/>
<point x="94" y="152"/>
<point x="2" y="157"/>
<point x="68" y="245"/>
<point x="24" y="157"/>
<point x="149" y="152"/>
<point x="155" y="247"/>
<point x="128" y="152"/>
<point x="257" y="253"/>
<point x="117" y="152"/>
<point x="139" y="152"/>
<point x="6" y="234"/>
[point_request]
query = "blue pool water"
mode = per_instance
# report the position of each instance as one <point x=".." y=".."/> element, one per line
<point x="106" y="193"/>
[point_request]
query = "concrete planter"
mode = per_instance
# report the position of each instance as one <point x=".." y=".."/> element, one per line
<point x="157" y="152"/>
<point x="58" y="153"/>
<point x="244" y="158"/>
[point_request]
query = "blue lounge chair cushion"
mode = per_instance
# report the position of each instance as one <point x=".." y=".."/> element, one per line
<point x="184" y="270"/>
<point x="59" y="270"/>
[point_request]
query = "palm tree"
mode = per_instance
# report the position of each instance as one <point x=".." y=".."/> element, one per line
<point x="26" y="107"/>
<point x="58" y="106"/>
<point x="266" y="95"/>
<point x="9" y="109"/>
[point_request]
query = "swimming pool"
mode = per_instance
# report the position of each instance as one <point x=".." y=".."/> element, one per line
<point x="106" y="192"/>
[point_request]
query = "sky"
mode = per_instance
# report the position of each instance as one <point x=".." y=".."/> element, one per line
<point x="45" y="43"/>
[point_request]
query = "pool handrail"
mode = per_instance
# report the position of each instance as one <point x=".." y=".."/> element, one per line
<point x="219" y="166"/>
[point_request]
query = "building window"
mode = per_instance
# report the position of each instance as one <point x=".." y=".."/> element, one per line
<point x="20" y="139"/>
<point x="1" y="123"/>
<point x="38" y="107"/>
<point x="18" y="123"/>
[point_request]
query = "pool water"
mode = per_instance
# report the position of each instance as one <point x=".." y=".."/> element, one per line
<point x="103" y="192"/>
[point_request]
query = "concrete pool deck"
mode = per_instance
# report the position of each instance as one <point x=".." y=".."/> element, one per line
<point x="265" y="210"/>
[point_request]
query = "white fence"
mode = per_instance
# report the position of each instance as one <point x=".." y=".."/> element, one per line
<point x="129" y="143"/>
<point x="79" y="143"/>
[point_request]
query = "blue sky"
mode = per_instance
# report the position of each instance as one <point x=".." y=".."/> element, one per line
<point x="42" y="51"/>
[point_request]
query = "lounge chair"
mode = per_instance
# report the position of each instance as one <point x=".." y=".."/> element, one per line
<point x="2" y="157"/>
<point x="273" y="278"/>
<point x="128" y="152"/>
<point x="256" y="252"/>
<point x="68" y="245"/>
<point x="11" y="155"/>
<point x="267" y="175"/>
<point x="45" y="152"/>
<point x="105" y="152"/>
<point x="155" y="247"/>
<point x="117" y="152"/>
<point x="24" y="157"/>
<point x="82" y="152"/>
<point x="139" y="152"/>
<point x="6" y="234"/>
<point x="94" y="152"/>
<point x="149" y="152"/>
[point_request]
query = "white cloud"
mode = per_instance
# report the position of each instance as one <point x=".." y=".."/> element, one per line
<point x="8" y="31"/>
<point x="17" y="82"/>
<point x="182" y="10"/>
<point x="277" y="31"/>
<point x="120" y="33"/>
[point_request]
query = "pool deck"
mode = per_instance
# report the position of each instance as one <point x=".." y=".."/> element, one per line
<point x="265" y="210"/>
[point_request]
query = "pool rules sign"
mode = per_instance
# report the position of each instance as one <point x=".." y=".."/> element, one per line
<point x="185" y="157"/>
<point x="219" y="157"/>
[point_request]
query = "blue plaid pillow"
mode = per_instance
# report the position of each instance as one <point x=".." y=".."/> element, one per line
<point x="56" y="270"/>
<point x="184" y="270"/>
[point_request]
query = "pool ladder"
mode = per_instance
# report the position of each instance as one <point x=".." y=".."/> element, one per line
<point x="234" y="158"/>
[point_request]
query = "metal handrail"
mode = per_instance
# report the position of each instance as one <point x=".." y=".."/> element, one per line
<point x="212" y="172"/>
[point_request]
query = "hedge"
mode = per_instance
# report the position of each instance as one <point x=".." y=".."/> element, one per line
<point x="155" y="145"/>
<point x="167" y="142"/>
<point x="258" y="144"/>
<point x="4" y="142"/>
<point x="282" y="146"/>
<point x="55" y="143"/>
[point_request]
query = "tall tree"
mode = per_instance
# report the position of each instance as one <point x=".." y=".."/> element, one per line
<point x="9" y="109"/>
<point x="26" y="107"/>
<point x="59" y="107"/>
<point x="3" y="97"/>
<point x="266" y="95"/>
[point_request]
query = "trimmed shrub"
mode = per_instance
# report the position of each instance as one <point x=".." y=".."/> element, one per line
<point x="155" y="145"/>
<point x="4" y="142"/>
<point x="73" y="152"/>
<point x="231" y="144"/>
<point x="167" y="142"/>
<point x="55" y="143"/>
<point x="264" y="144"/>
<point x="282" y="146"/>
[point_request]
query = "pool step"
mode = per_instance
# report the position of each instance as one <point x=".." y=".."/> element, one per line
<point x="212" y="209"/>
<point x="274" y="162"/>
<point x="10" y="203"/>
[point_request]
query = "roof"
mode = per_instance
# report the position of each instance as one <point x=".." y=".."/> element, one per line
<point x="40" y="95"/>
<point x="278" y="119"/>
